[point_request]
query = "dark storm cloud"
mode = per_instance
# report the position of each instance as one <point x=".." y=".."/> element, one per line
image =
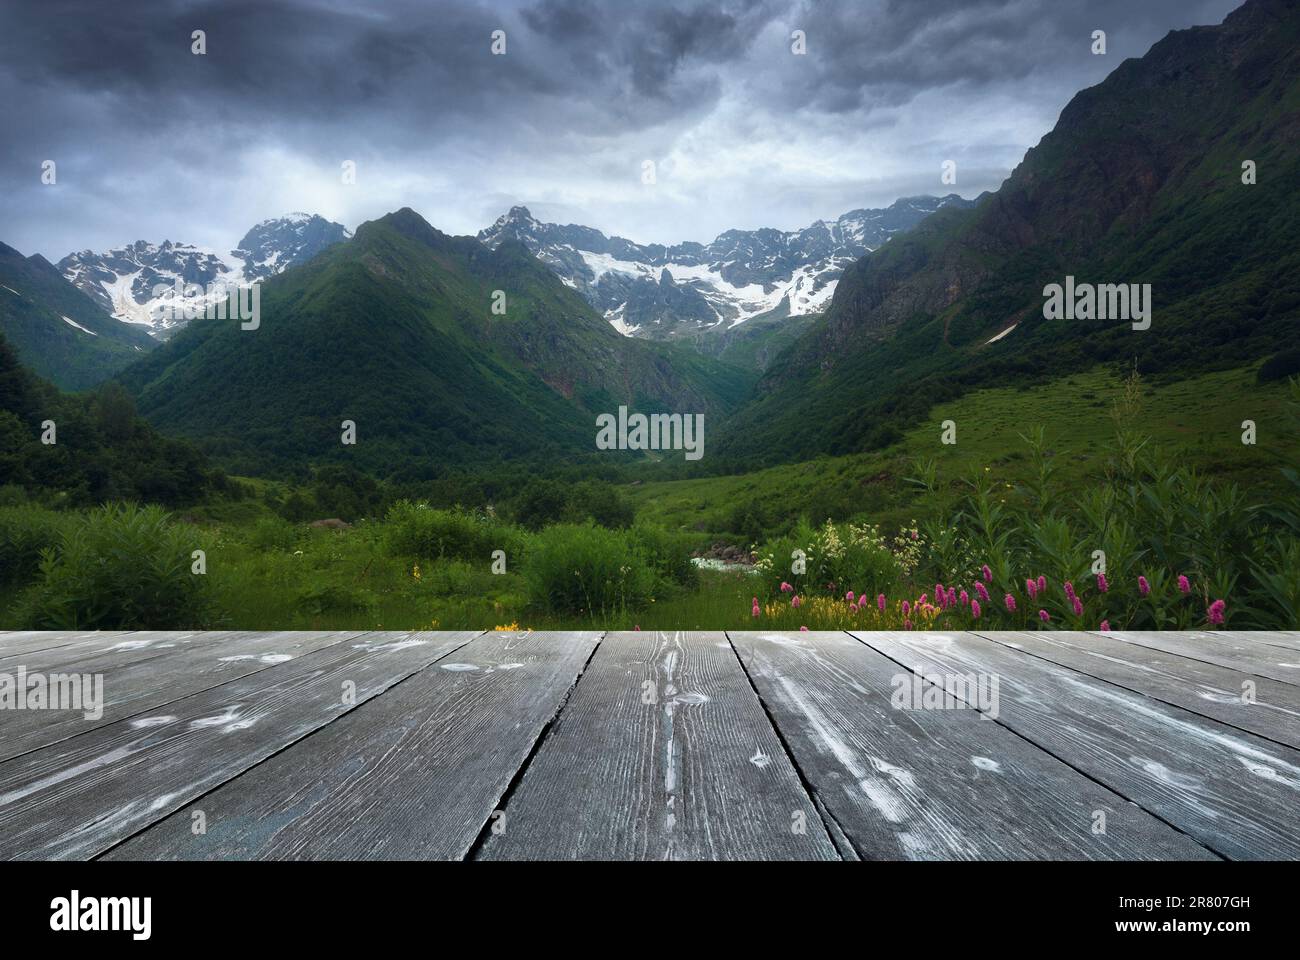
<point x="862" y="56"/>
<point x="152" y="141"/>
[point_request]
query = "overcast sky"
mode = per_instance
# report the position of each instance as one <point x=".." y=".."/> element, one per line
<point x="153" y="142"/>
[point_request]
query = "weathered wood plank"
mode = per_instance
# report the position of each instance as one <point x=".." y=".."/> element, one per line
<point x="114" y="648"/>
<point x="413" y="774"/>
<point x="1235" y="793"/>
<point x="662" y="752"/>
<point x="1257" y="704"/>
<point x="907" y="781"/>
<point x="1291" y="641"/>
<point x="77" y="798"/>
<point x="134" y="682"/>
<point x="1263" y="661"/>
<point x="19" y="643"/>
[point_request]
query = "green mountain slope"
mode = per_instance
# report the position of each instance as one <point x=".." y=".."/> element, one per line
<point x="395" y="331"/>
<point x="1139" y="182"/>
<point x="101" y="450"/>
<point x="36" y="305"/>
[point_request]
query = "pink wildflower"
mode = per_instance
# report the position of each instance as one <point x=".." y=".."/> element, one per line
<point x="1143" y="587"/>
<point x="1102" y="585"/>
<point x="964" y="598"/>
<point x="849" y="596"/>
<point x="1010" y="601"/>
<point x="785" y="587"/>
<point x="988" y="574"/>
<point x="1031" y="588"/>
<point x="1044" y="616"/>
<point x="880" y="603"/>
<point x="907" y="608"/>
<point x="1215" y="612"/>
<point x="979" y="588"/>
<point x="1078" y="606"/>
<point x="1105" y="626"/>
<point x="795" y="601"/>
<point x="907" y="624"/>
<point x="1069" y="589"/>
<point x="1042" y="583"/>
<point x="975" y="609"/>
<point x="1184" y="585"/>
<point x="924" y="598"/>
<point x="803" y="629"/>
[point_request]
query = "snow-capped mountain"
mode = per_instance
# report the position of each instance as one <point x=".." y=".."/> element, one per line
<point x="658" y="292"/>
<point x="124" y="281"/>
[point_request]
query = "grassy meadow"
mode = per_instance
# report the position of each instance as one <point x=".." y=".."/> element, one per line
<point x="1095" y="501"/>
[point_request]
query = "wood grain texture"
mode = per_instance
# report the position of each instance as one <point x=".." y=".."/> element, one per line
<point x="25" y="642"/>
<point x="908" y="782"/>
<point x="77" y="798"/>
<point x="413" y="774"/>
<point x="131" y="679"/>
<point x="1235" y="793"/>
<point x="662" y="752"/>
<point x="20" y="643"/>
<point x="1262" y="706"/>
<point x="1224" y="649"/>
<point x="115" y="649"/>
<point x="1291" y="641"/>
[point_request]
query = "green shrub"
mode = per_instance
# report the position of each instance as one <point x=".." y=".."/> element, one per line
<point x="274" y="533"/>
<point x="571" y="568"/>
<point x="120" y="567"/>
<point x="1280" y="366"/>
<point x="416" y="530"/>
<point x="24" y="532"/>
<point x="667" y="553"/>
<point x="320" y="599"/>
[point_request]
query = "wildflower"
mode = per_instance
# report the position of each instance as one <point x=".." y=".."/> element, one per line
<point x="907" y="624"/>
<point x="907" y="608"/>
<point x="415" y="571"/>
<point x="1069" y="589"/>
<point x="785" y="587"/>
<point x="1184" y="585"/>
<point x="913" y="534"/>
<point x="754" y="611"/>
<point x="975" y="609"/>
<point x="849" y="596"/>
<point x="940" y="594"/>
<point x="1078" y="606"/>
<point x="1143" y="587"/>
<point x="964" y="598"/>
<point x="979" y="588"/>
<point x="1105" y="626"/>
<point x="637" y="627"/>
<point x="794" y="601"/>
<point x="1102" y="585"/>
<point x="1215" y="612"/>
<point x="1010" y="601"/>
<point x="803" y="629"/>
<point x="988" y="574"/>
<point x="1044" y="616"/>
<point x="1031" y="588"/>
<point x="1042" y="583"/>
<point x="880" y="603"/>
<point x="924" y="598"/>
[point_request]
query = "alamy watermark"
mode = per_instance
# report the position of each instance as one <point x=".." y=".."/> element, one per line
<point x="656" y="431"/>
<point x="945" y="691"/>
<point x="56" y="691"/>
<point x="217" y="301"/>
<point x="1103" y="301"/>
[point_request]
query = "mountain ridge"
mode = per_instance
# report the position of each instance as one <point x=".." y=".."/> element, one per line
<point x="686" y="290"/>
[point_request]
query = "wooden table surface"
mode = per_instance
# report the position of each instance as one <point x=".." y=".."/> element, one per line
<point x="692" y="745"/>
